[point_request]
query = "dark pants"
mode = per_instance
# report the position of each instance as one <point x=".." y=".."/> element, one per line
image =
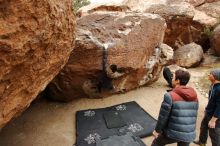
<point x="162" y="140"/>
<point x="214" y="133"/>
<point x="203" y="135"/>
<point x="215" y="136"/>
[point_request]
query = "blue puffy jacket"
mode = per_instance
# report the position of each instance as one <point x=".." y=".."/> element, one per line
<point x="178" y="114"/>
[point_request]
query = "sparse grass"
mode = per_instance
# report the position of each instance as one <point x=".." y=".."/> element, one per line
<point x="208" y="32"/>
<point x="80" y="3"/>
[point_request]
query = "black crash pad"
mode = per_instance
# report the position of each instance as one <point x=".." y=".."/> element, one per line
<point x="91" y="123"/>
<point x="114" y="119"/>
<point x="123" y="140"/>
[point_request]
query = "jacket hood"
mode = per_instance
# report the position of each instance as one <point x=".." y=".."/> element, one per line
<point x="187" y="93"/>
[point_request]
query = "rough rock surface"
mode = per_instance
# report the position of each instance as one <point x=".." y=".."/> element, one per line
<point x="179" y="16"/>
<point x="196" y="3"/>
<point x="209" y="60"/>
<point x="216" y="40"/>
<point x="36" y="39"/>
<point x="181" y="28"/>
<point x="212" y="8"/>
<point x="208" y="13"/>
<point x="179" y="19"/>
<point x="189" y="55"/>
<point x="204" y="19"/>
<point x="186" y="19"/>
<point x="102" y="7"/>
<point x="115" y="52"/>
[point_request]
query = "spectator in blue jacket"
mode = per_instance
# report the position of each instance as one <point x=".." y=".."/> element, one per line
<point x="211" y="120"/>
<point x="178" y="113"/>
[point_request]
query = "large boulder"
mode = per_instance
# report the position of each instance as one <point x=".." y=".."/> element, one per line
<point x="211" y="8"/>
<point x="115" y="52"/>
<point x="216" y="40"/>
<point x="36" y="39"/>
<point x="202" y="18"/>
<point x="189" y="55"/>
<point x="208" y="13"/>
<point x="179" y="16"/>
<point x="186" y="19"/>
<point x="179" y="19"/>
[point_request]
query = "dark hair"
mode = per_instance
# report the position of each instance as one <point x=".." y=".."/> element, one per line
<point x="182" y="76"/>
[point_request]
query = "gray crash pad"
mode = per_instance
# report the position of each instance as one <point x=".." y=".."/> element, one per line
<point x="92" y="124"/>
<point x="123" y="140"/>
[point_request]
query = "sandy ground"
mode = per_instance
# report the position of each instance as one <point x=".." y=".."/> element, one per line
<point x="47" y="123"/>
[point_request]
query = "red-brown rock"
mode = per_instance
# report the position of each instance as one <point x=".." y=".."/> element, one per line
<point x="179" y="14"/>
<point x="216" y="40"/>
<point x="208" y="13"/>
<point x="115" y="52"/>
<point x="212" y="9"/>
<point x="36" y="38"/>
<point x="186" y="19"/>
<point x="179" y="19"/>
<point x="185" y="23"/>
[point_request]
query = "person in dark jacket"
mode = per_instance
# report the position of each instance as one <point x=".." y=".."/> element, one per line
<point x="211" y="119"/>
<point x="178" y="113"/>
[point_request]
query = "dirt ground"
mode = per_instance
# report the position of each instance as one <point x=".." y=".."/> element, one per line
<point x="47" y="123"/>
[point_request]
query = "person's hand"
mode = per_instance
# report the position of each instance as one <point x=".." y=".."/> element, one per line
<point x="211" y="124"/>
<point x="155" y="134"/>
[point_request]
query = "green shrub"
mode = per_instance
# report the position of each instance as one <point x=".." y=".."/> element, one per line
<point x="80" y="3"/>
<point x="208" y="32"/>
